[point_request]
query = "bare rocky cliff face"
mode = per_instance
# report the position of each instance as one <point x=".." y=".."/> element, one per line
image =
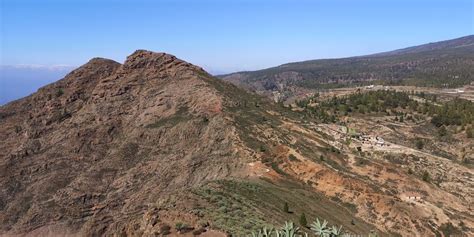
<point x="91" y="150"/>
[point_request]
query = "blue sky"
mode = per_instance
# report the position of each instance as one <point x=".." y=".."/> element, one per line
<point x="223" y="36"/>
<point x="42" y="40"/>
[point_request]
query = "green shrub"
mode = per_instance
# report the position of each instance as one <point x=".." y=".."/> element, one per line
<point x="181" y="226"/>
<point x="449" y="229"/>
<point x="277" y="169"/>
<point x="426" y="176"/>
<point x="59" y="92"/>
<point x="292" y="157"/>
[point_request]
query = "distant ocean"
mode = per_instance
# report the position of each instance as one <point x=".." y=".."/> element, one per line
<point x="18" y="81"/>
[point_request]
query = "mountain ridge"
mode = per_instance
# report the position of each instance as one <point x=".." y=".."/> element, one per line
<point x="464" y="41"/>
<point x="93" y="119"/>
<point x="441" y="64"/>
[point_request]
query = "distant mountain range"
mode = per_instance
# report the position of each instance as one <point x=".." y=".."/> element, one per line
<point x="442" y="64"/>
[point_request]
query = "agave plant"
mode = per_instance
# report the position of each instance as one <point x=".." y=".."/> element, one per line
<point x="335" y="232"/>
<point x="265" y="232"/>
<point x="320" y="228"/>
<point x="289" y="230"/>
<point x="256" y="234"/>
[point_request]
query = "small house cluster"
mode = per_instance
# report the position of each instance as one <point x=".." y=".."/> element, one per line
<point x="413" y="197"/>
<point x="371" y="140"/>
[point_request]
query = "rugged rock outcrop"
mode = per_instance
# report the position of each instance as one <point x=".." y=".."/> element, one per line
<point x="93" y="149"/>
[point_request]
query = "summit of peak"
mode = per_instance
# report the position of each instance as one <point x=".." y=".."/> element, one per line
<point x="144" y="54"/>
<point x="149" y="59"/>
<point x="97" y="61"/>
<point x="96" y="64"/>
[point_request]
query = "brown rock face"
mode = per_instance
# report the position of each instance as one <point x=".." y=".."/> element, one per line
<point x="91" y="151"/>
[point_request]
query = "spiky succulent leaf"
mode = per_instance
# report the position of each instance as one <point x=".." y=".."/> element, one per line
<point x="320" y="228"/>
<point x="336" y="232"/>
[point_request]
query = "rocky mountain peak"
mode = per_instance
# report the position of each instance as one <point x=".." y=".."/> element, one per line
<point x="144" y="59"/>
<point x="99" y="65"/>
<point x="99" y="60"/>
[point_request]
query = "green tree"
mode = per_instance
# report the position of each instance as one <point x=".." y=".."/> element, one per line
<point x="470" y="132"/>
<point x="286" y="208"/>
<point x="419" y="143"/>
<point x="303" y="221"/>
<point x="426" y="176"/>
<point x="442" y="131"/>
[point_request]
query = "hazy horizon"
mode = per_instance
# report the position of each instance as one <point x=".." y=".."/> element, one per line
<point x="222" y="37"/>
<point x="21" y="80"/>
<point x="61" y="67"/>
